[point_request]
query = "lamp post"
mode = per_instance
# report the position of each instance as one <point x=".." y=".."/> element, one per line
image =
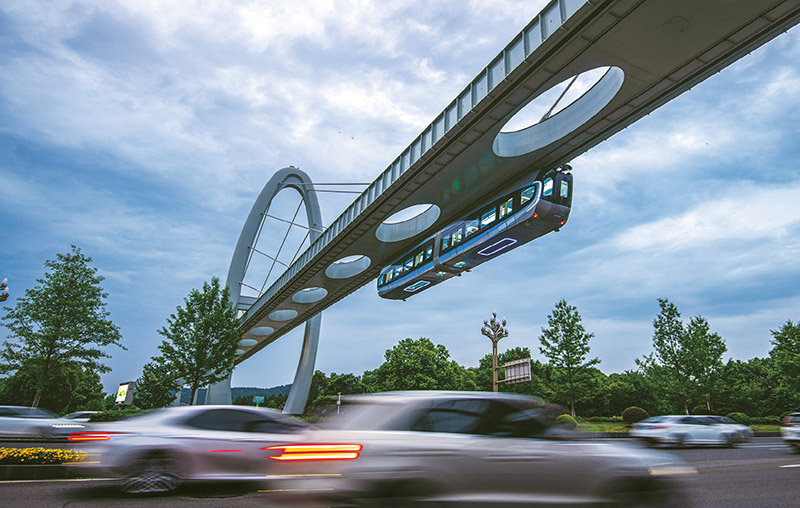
<point x="495" y="330"/>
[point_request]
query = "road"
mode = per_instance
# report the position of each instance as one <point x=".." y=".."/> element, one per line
<point x="762" y="473"/>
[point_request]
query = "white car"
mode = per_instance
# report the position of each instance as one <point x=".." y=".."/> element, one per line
<point x="468" y="449"/>
<point x="790" y="430"/>
<point x="745" y="433"/>
<point x="682" y="430"/>
<point x="34" y="423"/>
<point x="158" y="451"/>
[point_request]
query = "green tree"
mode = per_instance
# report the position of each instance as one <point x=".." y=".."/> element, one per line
<point x="418" y="365"/>
<point x="201" y="339"/>
<point x="686" y="360"/>
<point x="71" y="388"/>
<point x="61" y="321"/>
<point x="785" y="353"/>
<point x="566" y="345"/>
<point x="158" y="385"/>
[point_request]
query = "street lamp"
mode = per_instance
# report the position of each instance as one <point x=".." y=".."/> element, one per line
<point x="495" y="330"/>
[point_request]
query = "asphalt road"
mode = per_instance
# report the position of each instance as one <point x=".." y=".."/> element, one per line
<point x="762" y="473"/>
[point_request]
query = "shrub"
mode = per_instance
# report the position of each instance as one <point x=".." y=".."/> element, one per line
<point x="567" y="421"/>
<point x="115" y="414"/>
<point x="33" y="456"/>
<point x="634" y="414"/>
<point x="740" y="418"/>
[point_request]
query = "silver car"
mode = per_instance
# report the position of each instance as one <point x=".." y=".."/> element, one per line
<point x="34" y="423"/>
<point x="468" y="448"/>
<point x="158" y="451"/>
<point x="790" y="430"/>
<point x="683" y="430"/>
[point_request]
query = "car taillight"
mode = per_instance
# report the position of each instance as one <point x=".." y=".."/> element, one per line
<point x="92" y="436"/>
<point x="315" y="452"/>
<point x="660" y="427"/>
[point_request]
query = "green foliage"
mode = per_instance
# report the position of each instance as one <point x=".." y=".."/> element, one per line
<point x="418" y="365"/>
<point x="786" y="355"/>
<point x="201" y="338"/>
<point x="567" y="421"/>
<point x="71" y="388"/>
<point x="157" y="387"/>
<point x="739" y="417"/>
<point x="274" y="401"/>
<point x="565" y="343"/>
<point x="687" y="360"/>
<point x="634" y="414"/>
<point x="325" y="389"/>
<point x="34" y="456"/>
<point x="60" y="322"/>
<point x="115" y="414"/>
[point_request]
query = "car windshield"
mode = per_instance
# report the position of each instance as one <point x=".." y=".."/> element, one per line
<point x="654" y="419"/>
<point x="35" y="412"/>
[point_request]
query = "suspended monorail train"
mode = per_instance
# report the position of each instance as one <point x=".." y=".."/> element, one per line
<point x="503" y="224"/>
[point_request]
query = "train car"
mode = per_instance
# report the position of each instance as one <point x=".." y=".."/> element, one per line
<point x="503" y="224"/>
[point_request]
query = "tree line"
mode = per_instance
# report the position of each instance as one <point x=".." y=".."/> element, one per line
<point x="60" y="329"/>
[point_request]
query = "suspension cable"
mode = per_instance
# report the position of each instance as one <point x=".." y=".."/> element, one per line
<point x="288" y="230"/>
<point x="547" y="115"/>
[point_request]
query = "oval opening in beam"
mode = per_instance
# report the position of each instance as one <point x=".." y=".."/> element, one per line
<point x="407" y="223"/>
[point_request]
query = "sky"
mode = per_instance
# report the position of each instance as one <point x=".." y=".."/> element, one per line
<point x="142" y="132"/>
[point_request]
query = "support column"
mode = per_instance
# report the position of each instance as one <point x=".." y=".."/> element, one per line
<point x="298" y="396"/>
<point x="220" y="393"/>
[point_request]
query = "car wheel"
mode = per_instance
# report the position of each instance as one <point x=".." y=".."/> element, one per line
<point x="796" y="448"/>
<point x="730" y="440"/>
<point x="155" y="472"/>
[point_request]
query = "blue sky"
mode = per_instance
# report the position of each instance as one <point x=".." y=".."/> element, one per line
<point x="143" y="133"/>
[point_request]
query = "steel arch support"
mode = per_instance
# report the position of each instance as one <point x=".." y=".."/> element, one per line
<point x="298" y="396"/>
<point x="294" y="178"/>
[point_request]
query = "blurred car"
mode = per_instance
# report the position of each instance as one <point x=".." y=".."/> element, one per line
<point x="80" y="416"/>
<point x="745" y="432"/>
<point x="790" y="430"/>
<point x="34" y="423"/>
<point x="468" y="448"/>
<point x="682" y="430"/>
<point x="158" y="451"/>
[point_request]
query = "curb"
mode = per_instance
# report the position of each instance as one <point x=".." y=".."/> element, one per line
<point x="37" y="472"/>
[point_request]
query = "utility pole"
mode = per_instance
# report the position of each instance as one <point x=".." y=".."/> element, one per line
<point x="495" y="330"/>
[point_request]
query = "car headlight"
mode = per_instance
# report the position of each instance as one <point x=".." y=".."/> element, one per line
<point x="671" y="470"/>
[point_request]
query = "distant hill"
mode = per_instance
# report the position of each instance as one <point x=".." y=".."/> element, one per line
<point x="236" y="392"/>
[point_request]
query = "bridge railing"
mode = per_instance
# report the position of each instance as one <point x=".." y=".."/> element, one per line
<point x="552" y="17"/>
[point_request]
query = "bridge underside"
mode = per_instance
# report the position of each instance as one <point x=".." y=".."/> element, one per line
<point x="656" y="49"/>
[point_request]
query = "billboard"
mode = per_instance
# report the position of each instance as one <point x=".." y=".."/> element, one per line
<point x="125" y="393"/>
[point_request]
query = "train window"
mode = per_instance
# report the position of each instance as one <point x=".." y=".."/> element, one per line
<point x="488" y="217"/>
<point x="527" y="194"/>
<point x="419" y="258"/>
<point x="548" y="187"/>
<point x="445" y="241"/>
<point x="409" y="264"/>
<point x="429" y="252"/>
<point x="506" y="207"/>
<point x="456" y="237"/>
<point x="398" y="270"/>
<point x="564" y="189"/>
<point x="381" y="281"/>
<point x="389" y="276"/>
<point x="472" y="226"/>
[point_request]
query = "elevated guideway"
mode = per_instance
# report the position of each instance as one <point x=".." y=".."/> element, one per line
<point x="655" y="50"/>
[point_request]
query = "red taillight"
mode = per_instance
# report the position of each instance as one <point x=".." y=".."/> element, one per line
<point x="660" y="427"/>
<point x="92" y="436"/>
<point x="535" y="215"/>
<point x="316" y="451"/>
<point x="563" y="222"/>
